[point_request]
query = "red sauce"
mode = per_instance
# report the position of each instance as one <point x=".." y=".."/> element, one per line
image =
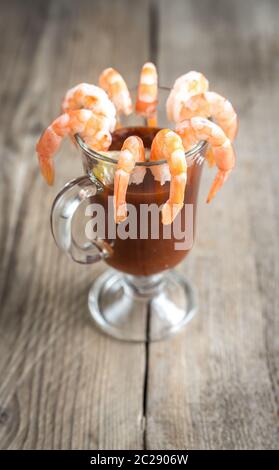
<point x="147" y="256"/>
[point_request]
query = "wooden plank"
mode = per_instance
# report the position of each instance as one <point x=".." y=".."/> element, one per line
<point x="63" y="384"/>
<point x="216" y="385"/>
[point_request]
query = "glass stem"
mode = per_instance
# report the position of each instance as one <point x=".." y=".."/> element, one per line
<point x="143" y="286"/>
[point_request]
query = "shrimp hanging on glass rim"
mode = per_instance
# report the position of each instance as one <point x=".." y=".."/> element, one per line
<point x="196" y="129"/>
<point x="211" y="104"/>
<point x="168" y="145"/>
<point x="147" y="97"/>
<point x="184" y="87"/>
<point x="92" y="97"/>
<point x="190" y="97"/>
<point x="115" y="86"/>
<point x="132" y="151"/>
<point x="93" y="129"/>
<point x="92" y="112"/>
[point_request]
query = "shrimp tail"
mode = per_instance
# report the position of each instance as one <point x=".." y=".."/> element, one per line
<point x="169" y="212"/>
<point x="47" y="146"/>
<point x="210" y="158"/>
<point x="47" y="169"/>
<point x="218" y="182"/>
<point x="176" y="200"/>
<point x="121" y="181"/>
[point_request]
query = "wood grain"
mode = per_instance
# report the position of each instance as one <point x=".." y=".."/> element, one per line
<point x="64" y="385"/>
<point x="216" y="385"/>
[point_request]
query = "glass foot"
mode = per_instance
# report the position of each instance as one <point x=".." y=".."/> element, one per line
<point x="141" y="309"/>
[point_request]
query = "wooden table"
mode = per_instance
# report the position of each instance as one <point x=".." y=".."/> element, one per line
<point x="65" y="385"/>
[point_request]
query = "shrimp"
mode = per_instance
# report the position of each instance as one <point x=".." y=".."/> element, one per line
<point x="113" y="83"/>
<point x="92" y="128"/>
<point x="147" y="98"/>
<point x="184" y="87"/>
<point x="132" y="151"/>
<point x="198" y="128"/>
<point x="85" y="95"/>
<point x="211" y="104"/>
<point x="168" y="145"/>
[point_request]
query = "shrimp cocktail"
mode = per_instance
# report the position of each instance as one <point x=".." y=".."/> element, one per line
<point x="143" y="151"/>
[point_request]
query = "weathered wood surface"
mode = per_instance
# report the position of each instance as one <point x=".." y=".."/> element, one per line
<point x="64" y="385"/>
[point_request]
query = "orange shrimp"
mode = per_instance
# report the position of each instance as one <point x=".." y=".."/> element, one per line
<point x="132" y="151"/>
<point x="168" y="145"/>
<point x="187" y="85"/>
<point x="85" y="95"/>
<point x="197" y="128"/>
<point x="114" y="84"/>
<point x="92" y="128"/>
<point x="211" y="104"/>
<point x="147" y="98"/>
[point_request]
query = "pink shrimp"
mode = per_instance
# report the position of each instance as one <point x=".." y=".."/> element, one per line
<point x="132" y="151"/>
<point x="92" y="128"/>
<point x="85" y="95"/>
<point x="197" y="128"/>
<point x="114" y="84"/>
<point x="184" y="87"/>
<point x="211" y="104"/>
<point x="147" y="98"/>
<point x="168" y="145"/>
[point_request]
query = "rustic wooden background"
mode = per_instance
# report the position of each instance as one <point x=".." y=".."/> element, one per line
<point x="62" y="383"/>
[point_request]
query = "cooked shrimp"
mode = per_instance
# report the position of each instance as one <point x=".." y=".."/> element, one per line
<point x="211" y="104"/>
<point x="209" y="155"/>
<point x="132" y="151"/>
<point x="185" y="86"/>
<point x="92" y="128"/>
<point x="113" y="83"/>
<point x="168" y="145"/>
<point x="90" y="97"/>
<point x="197" y="128"/>
<point x="147" y="98"/>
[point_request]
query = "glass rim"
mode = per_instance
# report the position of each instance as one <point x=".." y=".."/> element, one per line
<point x="99" y="156"/>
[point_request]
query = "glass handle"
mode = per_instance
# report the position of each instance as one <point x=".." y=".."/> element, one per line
<point x="63" y="209"/>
